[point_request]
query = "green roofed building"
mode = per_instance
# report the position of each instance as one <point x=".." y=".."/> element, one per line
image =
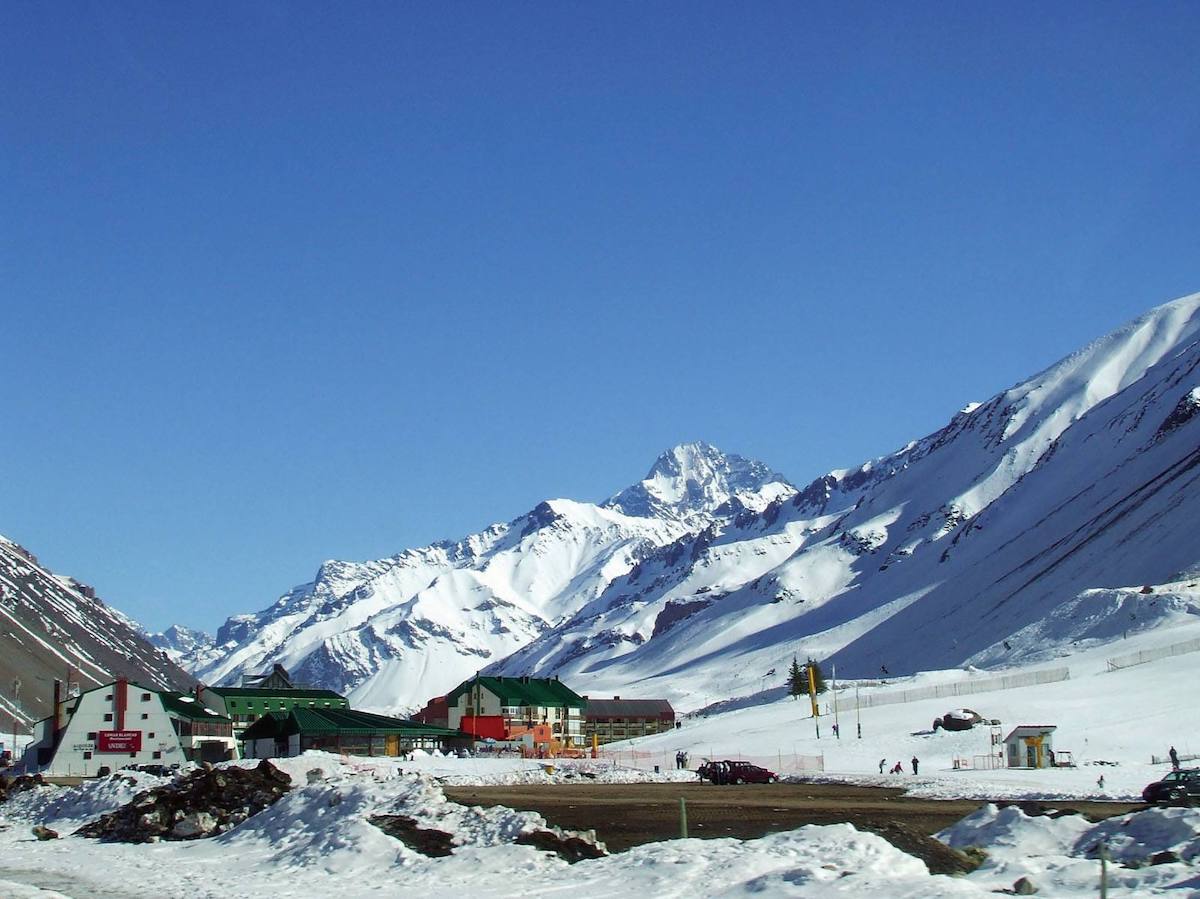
<point x="245" y="705"/>
<point x="544" y="711"/>
<point x="344" y="731"/>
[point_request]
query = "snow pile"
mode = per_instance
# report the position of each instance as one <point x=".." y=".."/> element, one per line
<point x="1149" y="850"/>
<point x="70" y="807"/>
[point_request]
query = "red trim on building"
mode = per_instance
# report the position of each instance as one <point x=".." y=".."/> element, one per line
<point x="120" y="703"/>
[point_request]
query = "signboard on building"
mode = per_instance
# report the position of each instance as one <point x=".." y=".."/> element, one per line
<point x="119" y="741"/>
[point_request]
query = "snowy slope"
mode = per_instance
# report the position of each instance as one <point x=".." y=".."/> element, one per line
<point x="1029" y="523"/>
<point x="53" y="627"/>
<point x="1047" y="498"/>
<point x="396" y="631"/>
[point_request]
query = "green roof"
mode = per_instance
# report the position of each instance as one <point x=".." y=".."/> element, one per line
<point x="268" y="693"/>
<point x="338" y="721"/>
<point x="528" y="691"/>
<point x="185" y="706"/>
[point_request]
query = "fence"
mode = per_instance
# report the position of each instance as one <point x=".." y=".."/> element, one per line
<point x="782" y="762"/>
<point x="1149" y="655"/>
<point x="965" y="688"/>
<point x="1165" y="759"/>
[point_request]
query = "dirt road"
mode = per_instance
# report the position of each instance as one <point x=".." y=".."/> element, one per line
<point x="625" y="815"/>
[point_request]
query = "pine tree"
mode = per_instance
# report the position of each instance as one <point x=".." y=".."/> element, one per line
<point x="797" y="680"/>
<point x="818" y="677"/>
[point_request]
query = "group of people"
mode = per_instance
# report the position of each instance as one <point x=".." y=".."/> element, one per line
<point x="898" y="768"/>
<point x="681" y="759"/>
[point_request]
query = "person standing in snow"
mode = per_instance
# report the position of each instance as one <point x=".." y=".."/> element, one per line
<point x="1174" y="759"/>
<point x="882" y="762"/>
<point x="1100" y="782"/>
<point x="915" y="762"/>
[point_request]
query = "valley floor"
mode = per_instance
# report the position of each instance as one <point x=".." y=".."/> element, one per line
<point x="317" y="838"/>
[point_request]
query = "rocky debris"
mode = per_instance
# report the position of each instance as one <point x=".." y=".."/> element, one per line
<point x="44" y="833"/>
<point x="569" y="848"/>
<point x="1023" y="886"/>
<point x="438" y="844"/>
<point x="938" y="857"/>
<point x="426" y="840"/>
<point x="9" y="788"/>
<point x="1166" y="857"/>
<point x="206" y="802"/>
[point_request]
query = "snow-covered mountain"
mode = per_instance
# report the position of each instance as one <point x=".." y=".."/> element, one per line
<point x="1029" y="524"/>
<point x="396" y="631"/>
<point x="1058" y="513"/>
<point x="55" y="628"/>
<point x="195" y="647"/>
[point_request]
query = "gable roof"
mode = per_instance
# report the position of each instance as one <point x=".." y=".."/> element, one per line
<point x="527" y="691"/>
<point x="338" y="721"/>
<point x="184" y="705"/>
<point x="629" y="708"/>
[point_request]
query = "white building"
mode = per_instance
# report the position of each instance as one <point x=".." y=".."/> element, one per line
<point x="122" y="724"/>
<point x="1030" y="746"/>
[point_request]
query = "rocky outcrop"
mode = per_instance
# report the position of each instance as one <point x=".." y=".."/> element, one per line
<point x="201" y="804"/>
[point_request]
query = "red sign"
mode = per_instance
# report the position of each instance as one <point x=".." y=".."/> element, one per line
<point x="119" y="741"/>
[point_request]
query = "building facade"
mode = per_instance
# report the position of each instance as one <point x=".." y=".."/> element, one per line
<point x="609" y="720"/>
<point x="343" y="731"/>
<point x="543" y="712"/>
<point x="245" y="705"/>
<point x="124" y="723"/>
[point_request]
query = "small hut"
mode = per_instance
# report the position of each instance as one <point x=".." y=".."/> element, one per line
<point x="1030" y="746"/>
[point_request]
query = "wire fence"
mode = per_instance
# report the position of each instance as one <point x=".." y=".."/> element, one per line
<point x="963" y="688"/>
<point x="781" y="762"/>
<point x="1150" y="655"/>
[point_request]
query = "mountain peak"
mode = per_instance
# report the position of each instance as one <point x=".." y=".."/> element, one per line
<point x="696" y="478"/>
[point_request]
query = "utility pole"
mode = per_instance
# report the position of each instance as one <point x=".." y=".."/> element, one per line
<point x="812" y="695"/>
<point x="857" y="714"/>
<point x="837" y="725"/>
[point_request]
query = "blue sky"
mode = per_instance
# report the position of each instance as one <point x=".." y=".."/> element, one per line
<point x="287" y="282"/>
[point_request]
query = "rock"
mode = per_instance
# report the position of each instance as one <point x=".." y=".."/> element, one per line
<point x="10" y="788"/>
<point x="567" y="847"/>
<point x="194" y="824"/>
<point x="205" y="802"/>
<point x="1165" y="857"/>
<point x="314" y="775"/>
<point x="938" y="857"/>
<point x="425" y="840"/>
<point x="1023" y="886"/>
<point x="45" y="833"/>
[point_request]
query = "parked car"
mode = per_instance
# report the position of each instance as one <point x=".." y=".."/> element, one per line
<point x="1182" y="784"/>
<point x="736" y="772"/>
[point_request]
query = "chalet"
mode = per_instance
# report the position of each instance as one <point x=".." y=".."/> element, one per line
<point x="607" y="720"/>
<point x="543" y="713"/>
<point x="124" y="723"/>
<point x="285" y="734"/>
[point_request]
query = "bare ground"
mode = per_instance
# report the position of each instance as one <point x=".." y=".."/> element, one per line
<point x="625" y="815"/>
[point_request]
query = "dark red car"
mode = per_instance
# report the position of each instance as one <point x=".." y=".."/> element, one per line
<point x="733" y="772"/>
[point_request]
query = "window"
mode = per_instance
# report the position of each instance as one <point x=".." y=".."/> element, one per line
<point x="108" y="697"/>
<point x="150" y="736"/>
<point x="156" y="754"/>
<point x="133" y="755"/>
<point x="92" y="736"/>
<point x="145" y="697"/>
<point x="108" y="716"/>
<point x="87" y="755"/>
<point x="145" y="716"/>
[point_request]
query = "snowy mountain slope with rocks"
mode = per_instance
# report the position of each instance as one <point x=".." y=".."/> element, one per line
<point x="55" y="628"/>
<point x="396" y="631"/>
<point x="1081" y="479"/>
<point x="1030" y="522"/>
